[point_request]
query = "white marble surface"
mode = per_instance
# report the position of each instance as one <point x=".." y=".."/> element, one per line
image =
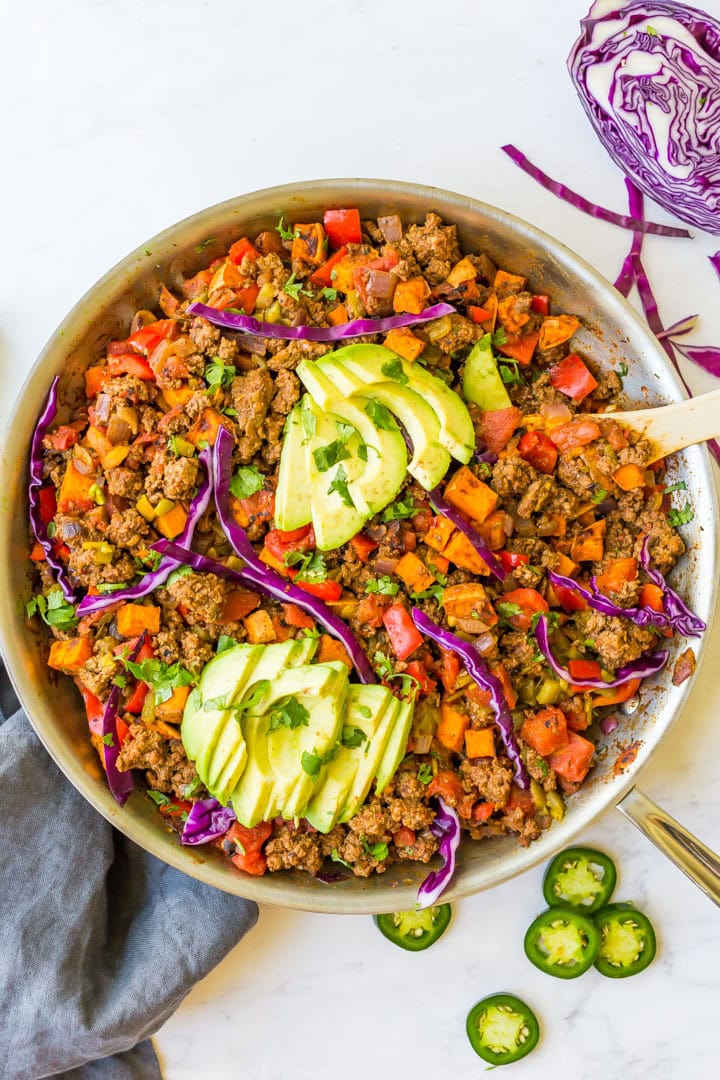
<point x="119" y="119"/>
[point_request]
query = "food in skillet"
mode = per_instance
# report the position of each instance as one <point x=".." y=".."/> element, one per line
<point x="336" y="560"/>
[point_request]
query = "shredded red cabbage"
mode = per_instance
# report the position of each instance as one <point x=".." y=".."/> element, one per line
<point x="636" y="205"/>
<point x="478" y="670"/>
<point x="120" y="783"/>
<point x="207" y="821"/>
<point x="461" y="522"/>
<point x="638" y="669"/>
<point x="569" y="196"/>
<point x="182" y="556"/>
<point x="705" y="356"/>
<point x="36" y="477"/>
<point x="715" y="260"/>
<point x="357" y="328"/>
<point x="153" y="580"/>
<point x="446" y="827"/>
<point x="647" y="74"/>
<point x="679" y="615"/>
<point x="681" y="327"/>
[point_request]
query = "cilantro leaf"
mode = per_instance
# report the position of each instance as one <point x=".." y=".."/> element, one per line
<point x="329" y="293"/>
<point x="340" y="485"/>
<point x="507" y="610"/>
<point x="53" y="609"/>
<point x="394" y="370"/>
<point x="290" y="713"/>
<point x="551" y="617"/>
<point x="510" y="372"/>
<point x="346" y="431"/>
<point x="383" y="665"/>
<point x="163" y="678"/>
<point x="327" y="456"/>
<point x="311" y="565"/>
<point x="218" y="373"/>
<point x="681" y="517"/>
<point x="425" y="773"/>
<point x="622" y="370"/>
<point x="679" y="486"/>
<point x="352" y="737"/>
<point x="377" y="851"/>
<point x="246" y="481"/>
<point x="106" y="587"/>
<point x="295" y="288"/>
<point x="403" y="508"/>
<point x="381" y="417"/>
<point x="433" y="592"/>
<point x="499" y="337"/>
<point x="224" y="642"/>
<point x="109" y="739"/>
<point x="285" y="233"/>
<point x="193" y="787"/>
<point x="383" y="585"/>
<point x="311" y="764"/>
<point x="336" y="858"/>
<point x="309" y="421"/>
<point x="158" y="798"/>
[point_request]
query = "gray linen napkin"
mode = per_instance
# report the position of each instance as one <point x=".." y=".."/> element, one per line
<point x="99" y="941"/>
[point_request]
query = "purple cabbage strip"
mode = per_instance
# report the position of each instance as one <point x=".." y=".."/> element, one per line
<point x="636" y="205"/>
<point x="446" y="827"/>
<point x="478" y="670"/>
<point x="715" y="260"/>
<point x="207" y="821"/>
<point x="120" y="783"/>
<point x="36" y="477"/>
<point x="680" y="328"/>
<point x="705" y="356"/>
<point x="638" y="669"/>
<point x="461" y="522"/>
<point x="569" y="196"/>
<point x="155" y="578"/>
<point x="679" y="615"/>
<point x="181" y="556"/>
<point x="250" y="325"/>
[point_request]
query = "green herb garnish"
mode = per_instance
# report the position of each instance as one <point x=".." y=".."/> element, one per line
<point x="340" y="485"/>
<point x="394" y="370"/>
<point x="54" y="610"/>
<point x="246" y="481"/>
<point x="681" y="517"/>
<point x="382" y="585"/>
<point x="327" y="456"/>
<point x="381" y="417"/>
<point x="352" y="737"/>
<point x="403" y="508"/>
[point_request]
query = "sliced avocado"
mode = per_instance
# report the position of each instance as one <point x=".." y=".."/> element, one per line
<point x="481" y="379"/>
<point x="221" y="679"/>
<point x="386" y="452"/>
<point x="364" y="711"/>
<point x="322" y="690"/>
<point x="366" y="362"/>
<point x="338" y="509"/>
<point x="395" y="746"/>
<point x="430" y="460"/>
<point x="367" y="766"/>
<point x="292" y="496"/>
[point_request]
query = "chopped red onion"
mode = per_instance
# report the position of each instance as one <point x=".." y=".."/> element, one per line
<point x="608" y="724"/>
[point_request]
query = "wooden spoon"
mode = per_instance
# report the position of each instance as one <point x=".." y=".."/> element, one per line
<point x="673" y="427"/>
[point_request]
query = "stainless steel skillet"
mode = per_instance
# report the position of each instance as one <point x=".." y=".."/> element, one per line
<point x="612" y="332"/>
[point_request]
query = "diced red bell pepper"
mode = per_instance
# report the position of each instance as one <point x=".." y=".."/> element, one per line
<point x="122" y="730"/>
<point x="363" y="546"/>
<point x="510" y="560"/>
<point x="539" y="451"/>
<point x="147" y="338"/>
<point x="569" y="599"/>
<point x="520" y="347"/>
<point x="478" y="314"/>
<point x="240" y="249"/>
<point x="94" y="710"/>
<point x="450" y="669"/>
<point x="47" y="503"/>
<point x="175" y="808"/>
<point x="62" y="438"/>
<point x="130" y="364"/>
<point x="572" y="762"/>
<point x="137" y="698"/>
<point x="404" y="635"/>
<point x="279" y="542"/>
<point x="417" y="669"/>
<point x="324" y="590"/>
<point x="249" y="857"/>
<point x="323" y="275"/>
<point x="584" y="669"/>
<point x="447" y="784"/>
<point x="342" y="227"/>
<point x="529" y="601"/>
<point x="571" y="377"/>
<point x="540" y="304"/>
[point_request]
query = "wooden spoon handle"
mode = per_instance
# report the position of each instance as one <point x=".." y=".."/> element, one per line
<point x="672" y="427"/>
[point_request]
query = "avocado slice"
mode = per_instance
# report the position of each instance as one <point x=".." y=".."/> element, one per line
<point x="366" y="706"/>
<point x="202" y="729"/>
<point x="365" y="363"/>
<point x="395" y="746"/>
<point x="322" y="690"/>
<point x="481" y="379"/>
<point x="337" y="506"/>
<point x="367" y="766"/>
<point x="430" y="460"/>
<point x="292" y="496"/>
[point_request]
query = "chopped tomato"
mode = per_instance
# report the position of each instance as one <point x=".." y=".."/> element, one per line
<point x="240" y="249"/>
<point x="404" y="838"/>
<point x="520" y="348"/>
<point x="279" y="543"/>
<point x="363" y="546"/>
<point x="540" y="305"/>
<point x="522" y="800"/>
<point x="530" y="603"/>
<point x="539" y="451"/>
<point x="499" y="426"/>
<point x="295" y="616"/>
<point x="584" y="669"/>
<point x="324" y="274"/>
<point x="417" y="669"/>
<point x="447" y="784"/>
<point x="572" y="762"/>
<point x="574" y="434"/>
<point x="572" y="377"/>
<point x="404" y="635"/>
<point x="130" y="364"/>
<point x="47" y="503"/>
<point x="546" y="730"/>
<point x="512" y="559"/>
<point x="342" y="227"/>
<point x="249" y="842"/>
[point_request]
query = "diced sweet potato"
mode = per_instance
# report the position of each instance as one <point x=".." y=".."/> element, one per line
<point x="452" y="727"/>
<point x="404" y="343"/>
<point x="71" y="655"/>
<point x="411" y="295"/>
<point x="74" y="494"/>
<point x="480" y="743"/>
<point x="133" y="619"/>
<point x="260" y="629"/>
<point x="439" y="534"/>
<point x="460" y="551"/>
<point x="332" y="649"/>
<point x="470" y="495"/>
<point x="413" y="573"/>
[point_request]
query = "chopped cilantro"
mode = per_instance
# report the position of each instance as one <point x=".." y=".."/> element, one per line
<point x="311" y="764"/>
<point x="499" y="337"/>
<point x="352" y="737"/>
<point x="337" y="858"/>
<point x="288" y="712"/>
<point x="120" y="681"/>
<point x="108" y="739"/>
<point x="598" y="496"/>
<point x="403" y="508"/>
<point x="507" y="610"/>
<point x="484" y="469"/>
<point x="408" y="683"/>
<point x="54" y="610"/>
<point x="229" y="411"/>
<point x="199" y="248"/>
<point x="310" y="631"/>
<point x="345" y="431"/>
<point x="622" y="370"/>
<point x="285" y="233"/>
<point x="309" y="421"/>
<point x="433" y="592"/>
<point x="681" y="517"/>
<point x="377" y="851"/>
<point x="159" y="798"/>
<point x="246" y="481"/>
<point x="218" y="373"/>
<point x="382" y="585"/>
<point x="551" y="617"/>
<point x="295" y="288"/>
<point x="510" y="372"/>
<point x="163" y="678"/>
<point x="679" y="486"/>
<point x="425" y="773"/>
<point x="311" y="565"/>
<point x="182" y="571"/>
<point x="340" y="485"/>
<point x="383" y="665"/>
<point x="328" y="293"/>
<point x="381" y="417"/>
<point x="193" y="787"/>
<point x="224" y="642"/>
<point x="394" y="370"/>
<point x="327" y="456"/>
<point x="51" y="529"/>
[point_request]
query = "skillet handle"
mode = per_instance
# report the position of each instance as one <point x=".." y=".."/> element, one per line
<point x="687" y="852"/>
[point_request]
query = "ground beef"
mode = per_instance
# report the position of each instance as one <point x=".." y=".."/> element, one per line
<point x="291" y="848"/>
<point x="128" y="388"/>
<point x="287" y="391"/>
<point x="124" y="482"/>
<point x="512" y="475"/>
<point x="518" y="650"/>
<point x="536" y="496"/>
<point x="251" y="394"/>
<point x="168" y="769"/>
<point x="486" y="268"/>
<point x="664" y="544"/>
<point x="272" y="449"/>
<point x="204" y="335"/>
<point x="127" y="529"/>
<point x="194" y="651"/>
<point x="574" y="474"/>
<point x="86" y="571"/>
<point x="435" y="246"/>
<point x="462" y="333"/>
<point x="289" y="354"/>
<point x="539" y="769"/>
<point x="617" y="641"/>
<point x="203" y="598"/>
<point x="99" y="671"/>
<point x="488" y="779"/>
<point x="180" y="478"/>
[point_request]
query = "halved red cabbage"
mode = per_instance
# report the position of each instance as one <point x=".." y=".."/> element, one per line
<point x="120" y="783"/>
<point x="250" y="325"/>
<point x="446" y="827"/>
<point x="569" y="196"/>
<point x="647" y="75"/>
<point x="461" y="522"/>
<point x="155" y="578"/>
<point x="39" y="529"/>
<point x="207" y="821"/>
<point x="638" y="669"/>
<point x="478" y="670"/>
